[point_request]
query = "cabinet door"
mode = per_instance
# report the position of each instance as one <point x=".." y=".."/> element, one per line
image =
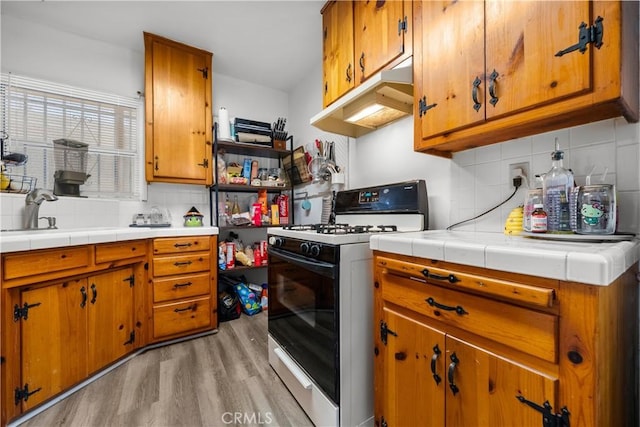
<point x="451" y="45"/>
<point x="378" y="36"/>
<point x="110" y="317"/>
<point x="486" y="389"/>
<point x="337" y="50"/>
<point x="413" y="396"/>
<point x="54" y="339"/>
<point x="522" y="39"/>
<point x="178" y="113"/>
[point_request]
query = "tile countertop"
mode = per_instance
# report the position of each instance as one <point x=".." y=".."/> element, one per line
<point x="586" y="262"/>
<point x="14" y="241"/>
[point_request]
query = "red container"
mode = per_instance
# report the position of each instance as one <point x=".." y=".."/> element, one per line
<point x="256" y="214"/>
<point x="231" y="255"/>
<point x="283" y="208"/>
<point x="263" y="251"/>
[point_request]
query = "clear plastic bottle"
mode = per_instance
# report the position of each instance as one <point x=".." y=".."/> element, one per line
<point x="236" y="207"/>
<point x="556" y="187"/>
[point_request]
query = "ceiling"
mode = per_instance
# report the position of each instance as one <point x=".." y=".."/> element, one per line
<point x="269" y="43"/>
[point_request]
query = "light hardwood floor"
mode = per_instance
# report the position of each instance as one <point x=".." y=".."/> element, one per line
<point x="218" y="380"/>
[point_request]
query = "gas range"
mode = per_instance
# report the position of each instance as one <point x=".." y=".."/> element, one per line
<point x="361" y="213"/>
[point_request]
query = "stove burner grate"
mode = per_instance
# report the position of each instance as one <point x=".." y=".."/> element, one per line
<point x="342" y="228"/>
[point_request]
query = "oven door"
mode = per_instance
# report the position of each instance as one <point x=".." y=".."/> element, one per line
<point x="303" y="315"/>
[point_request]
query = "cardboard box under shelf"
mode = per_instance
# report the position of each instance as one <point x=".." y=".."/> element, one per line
<point x="298" y="173"/>
<point x="279" y="145"/>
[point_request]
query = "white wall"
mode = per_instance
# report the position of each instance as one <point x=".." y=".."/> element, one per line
<point x="42" y="52"/>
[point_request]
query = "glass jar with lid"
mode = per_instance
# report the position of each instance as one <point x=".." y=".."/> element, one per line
<point x="596" y="209"/>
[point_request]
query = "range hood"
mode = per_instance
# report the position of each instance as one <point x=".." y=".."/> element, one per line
<point x="380" y="100"/>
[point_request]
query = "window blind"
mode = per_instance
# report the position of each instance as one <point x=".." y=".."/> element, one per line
<point x="37" y="112"/>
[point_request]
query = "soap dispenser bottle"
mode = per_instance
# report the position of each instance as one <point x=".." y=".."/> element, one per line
<point x="556" y="188"/>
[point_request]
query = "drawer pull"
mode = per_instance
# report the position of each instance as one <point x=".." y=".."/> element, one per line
<point x="452" y="367"/>
<point x="458" y="308"/>
<point x="450" y="278"/>
<point x="181" y="263"/>
<point x="182" y="285"/>
<point x="94" y="293"/>
<point x="190" y="308"/>
<point x="436" y="353"/>
<point x="182" y="245"/>
<point x="83" y="292"/>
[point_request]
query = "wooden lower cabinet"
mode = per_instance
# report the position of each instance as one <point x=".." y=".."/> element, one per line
<point x="183" y="298"/>
<point x="53" y="341"/>
<point x="72" y="329"/>
<point x="445" y="359"/>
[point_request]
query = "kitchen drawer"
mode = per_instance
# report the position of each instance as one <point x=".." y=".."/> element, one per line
<point x="107" y="252"/>
<point x="180" y="264"/>
<point x="523" y="329"/>
<point x="46" y="261"/>
<point x="184" y="316"/>
<point x="503" y="289"/>
<point x="181" y="244"/>
<point x="178" y="287"/>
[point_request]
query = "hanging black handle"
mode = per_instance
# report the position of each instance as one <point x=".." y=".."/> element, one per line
<point x="436" y="353"/>
<point x="83" y="291"/>
<point x="181" y="263"/>
<point x="474" y="94"/>
<point x="452" y="367"/>
<point x="156" y="162"/>
<point x="458" y="308"/>
<point x="451" y="278"/>
<point x="492" y="88"/>
<point x="362" y="62"/>
<point x="182" y="245"/>
<point x="348" y="71"/>
<point x="94" y="293"/>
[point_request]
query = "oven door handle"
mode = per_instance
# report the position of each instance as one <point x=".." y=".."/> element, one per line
<point x="323" y="268"/>
<point x="304" y="381"/>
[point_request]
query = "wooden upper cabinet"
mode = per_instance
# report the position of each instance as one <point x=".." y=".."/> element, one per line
<point x="382" y="34"/>
<point x="178" y="131"/>
<point x="337" y="50"/>
<point x="487" y="72"/>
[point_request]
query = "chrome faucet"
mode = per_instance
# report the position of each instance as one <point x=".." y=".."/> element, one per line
<point x="33" y="201"/>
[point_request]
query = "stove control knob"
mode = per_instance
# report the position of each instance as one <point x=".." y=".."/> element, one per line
<point x="315" y="250"/>
<point x="276" y="241"/>
<point x="304" y="248"/>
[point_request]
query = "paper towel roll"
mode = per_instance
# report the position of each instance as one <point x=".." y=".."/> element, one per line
<point x="223" y="124"/>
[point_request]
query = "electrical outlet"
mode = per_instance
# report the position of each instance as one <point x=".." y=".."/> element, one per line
<point x="516" y="169"/>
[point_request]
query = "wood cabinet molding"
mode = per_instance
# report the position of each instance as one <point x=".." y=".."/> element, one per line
<point x="533" y="90"/>
<point x="178" y="112"/>
<point x="580" y="354"/>
<point x="82" y="308"/>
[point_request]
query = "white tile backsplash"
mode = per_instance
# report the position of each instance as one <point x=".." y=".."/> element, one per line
<point x="613" y="144"/>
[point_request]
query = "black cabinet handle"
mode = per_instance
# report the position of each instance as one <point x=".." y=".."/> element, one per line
<point x="436" y="353"/>
<point x="362" y="62"/>
<point x="182" y="285"/>
<point x="458" y="308"/>
<point x="451" y="278"/>
<point x="180" y="263"/>
<point x="452" y="367"/>
<point x="83" y="291"/>
<point x="94" y="293"/>
<point x="492" y="88"/>
<point x="348" y="77"/>
<point x="474" y="94"/>
<point x="182" y="245"/>
<point x="190" y="308"/>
